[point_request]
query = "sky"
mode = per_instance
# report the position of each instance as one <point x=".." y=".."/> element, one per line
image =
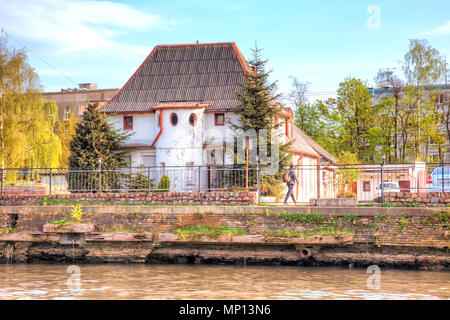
<point x="319" y="42"/>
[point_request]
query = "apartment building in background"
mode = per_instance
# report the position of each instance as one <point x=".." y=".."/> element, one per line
<point x="75" y="101"/>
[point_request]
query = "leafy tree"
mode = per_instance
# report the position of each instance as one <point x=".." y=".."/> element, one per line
<point x="354" y="114"/>
<point x="65" y="131"/>
<point x="308" y="117"/>
<point x="95" y="139"/>
<point x="347" y="174"/>
<point x="316" y="119"/>
<point x="27" y="121"/>
<point x="423" y="66"/>
<point x="392" y="87"/>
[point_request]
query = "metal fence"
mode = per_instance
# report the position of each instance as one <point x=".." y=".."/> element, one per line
<point x="371" y="182"/>
<point x="140" y="179"/>
<point x="366" y="182"/>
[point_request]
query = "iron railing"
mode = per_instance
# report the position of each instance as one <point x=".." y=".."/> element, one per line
<point x="363" y="181"/>
<point x="140" y="179"/>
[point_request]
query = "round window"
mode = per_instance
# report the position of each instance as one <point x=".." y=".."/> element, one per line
<point x="174" y="119"/>
<point x="192" y="119"/>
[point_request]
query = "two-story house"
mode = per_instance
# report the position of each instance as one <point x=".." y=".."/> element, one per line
<point x="180" y="106"/>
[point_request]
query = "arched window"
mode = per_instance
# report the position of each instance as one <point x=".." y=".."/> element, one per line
<point x="192" y="119"/>
<point x="174" y="119"/>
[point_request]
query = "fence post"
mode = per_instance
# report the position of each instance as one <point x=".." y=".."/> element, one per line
<point x="148" y="177"/>
<point x="199" y="178"/>
<point x="2" y="182"/>
<point x="318" y="180"/>
<point x="382" y="180"/>
<point x="257" y="181"/>
<point x="50" y="181"/>
<point x="99" y="175"/>
<point x="442" y="166"/>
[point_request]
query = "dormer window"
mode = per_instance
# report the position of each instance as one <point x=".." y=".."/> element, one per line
<point x="128" y="122"/>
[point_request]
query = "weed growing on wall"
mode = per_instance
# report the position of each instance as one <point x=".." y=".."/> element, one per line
<point x="77" y="213"/>
<point x="350" y="218"/>
<point x="314" y="217"/>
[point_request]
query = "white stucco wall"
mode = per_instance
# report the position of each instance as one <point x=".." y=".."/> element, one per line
<point x="144" y="127"/>
<point x="183" y="144"/>
<point x="180" y="144"/>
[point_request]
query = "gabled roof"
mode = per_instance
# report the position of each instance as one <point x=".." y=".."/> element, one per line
<point x="301" y="144"/>
<point x="203" y="73"/>
<point x="314" y="145"/>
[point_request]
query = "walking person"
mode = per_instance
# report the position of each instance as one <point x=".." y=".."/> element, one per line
<point x="291" y="179"/>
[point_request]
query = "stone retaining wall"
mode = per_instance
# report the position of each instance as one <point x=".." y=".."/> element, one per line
<point x="205" y="198"/>
<point x="393" y="226"/>
<point x="433" y="199"/>
<point x="395" y="237"/>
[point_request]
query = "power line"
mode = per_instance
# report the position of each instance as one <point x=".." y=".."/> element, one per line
<point x="42" y="59"/>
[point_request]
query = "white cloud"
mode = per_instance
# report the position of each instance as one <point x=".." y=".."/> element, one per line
<point x="66" y="26"/>
<point x="444" y="29"/>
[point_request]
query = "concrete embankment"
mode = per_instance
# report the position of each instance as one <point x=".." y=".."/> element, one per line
<point x="415" y="238"/>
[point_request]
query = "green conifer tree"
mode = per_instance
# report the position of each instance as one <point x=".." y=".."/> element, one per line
<point x="95" y="139"/>
<point x="257" y="108"/>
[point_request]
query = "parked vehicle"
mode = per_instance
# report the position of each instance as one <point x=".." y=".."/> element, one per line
<point x="388" y="187"/>
<point x="439" y="181"/>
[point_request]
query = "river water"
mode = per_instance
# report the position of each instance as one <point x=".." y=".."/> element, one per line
<point x="215" y="282"/>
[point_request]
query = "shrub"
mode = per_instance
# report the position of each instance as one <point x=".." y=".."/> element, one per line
<point x="140" y="182"/>
<point x="349" y="194"/>
<point x="164" y="183"/>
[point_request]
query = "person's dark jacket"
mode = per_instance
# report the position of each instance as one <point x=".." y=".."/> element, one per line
<point x="294" y="179"/>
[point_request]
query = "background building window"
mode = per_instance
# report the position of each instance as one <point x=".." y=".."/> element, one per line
<point x="81" y="109"/>
<point x="219" y="119"/>
<point x="174" y="119"/>
<point x="66" y="113"/>
<point x="128" y="122"/>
